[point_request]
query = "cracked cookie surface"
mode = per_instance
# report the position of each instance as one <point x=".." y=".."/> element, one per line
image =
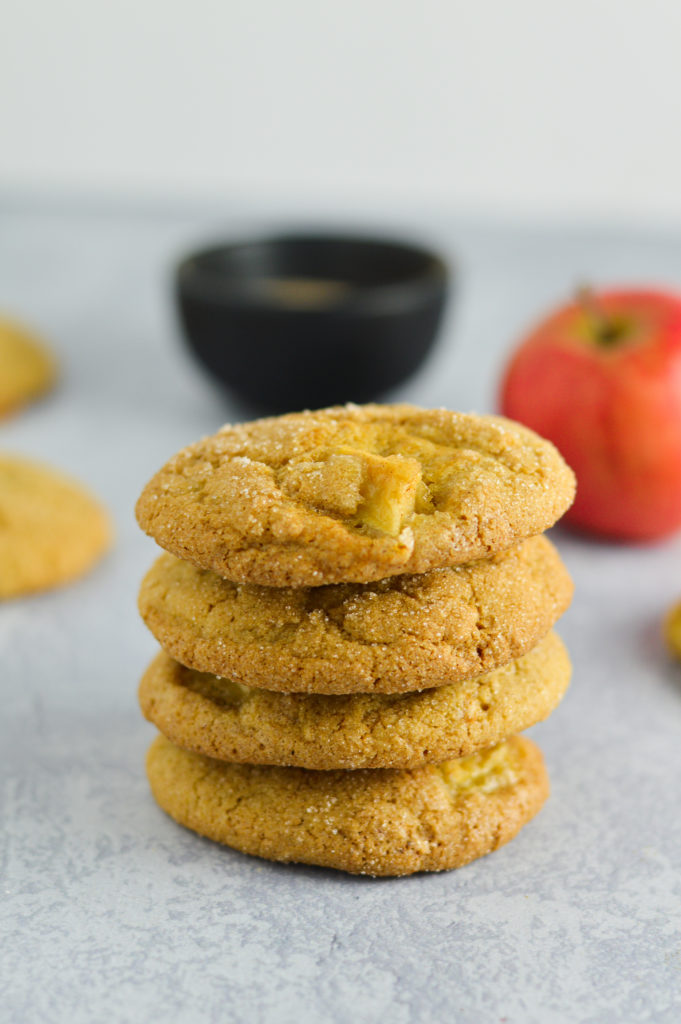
<point x="27" y="367"/>
<point x="402" y="633"/>
<point x="51" y="529"/>
<point x="375" y="822"/>
<point x="354" y="494"/>
<point x="231" y="722"/>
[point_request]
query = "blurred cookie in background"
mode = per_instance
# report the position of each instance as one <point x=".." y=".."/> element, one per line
<point x="28" y="368"/>
<point x="51" y="529"/>
<point x="672" y="630"/>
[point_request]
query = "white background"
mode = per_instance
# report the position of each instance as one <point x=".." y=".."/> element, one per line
<point x="527" y="108"/>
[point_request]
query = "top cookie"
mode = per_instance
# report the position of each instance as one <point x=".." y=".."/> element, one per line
<point x="354" y="494"/>
<point x="27" y="368"/>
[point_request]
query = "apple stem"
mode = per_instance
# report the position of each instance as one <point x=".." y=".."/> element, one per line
<point x="608" y="330"/>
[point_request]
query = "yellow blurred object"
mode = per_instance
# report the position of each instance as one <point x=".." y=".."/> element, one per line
<point x="51" y="529"/>
<point x="27" y="367"/>
<point x="672" y="630"/>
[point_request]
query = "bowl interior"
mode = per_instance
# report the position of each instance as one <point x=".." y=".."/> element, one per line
<point x="309" y="271"/>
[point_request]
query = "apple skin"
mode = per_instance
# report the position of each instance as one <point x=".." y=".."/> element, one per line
<point x="602" y="380"/>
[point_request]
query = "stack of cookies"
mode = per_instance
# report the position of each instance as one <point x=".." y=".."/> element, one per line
<point x="355" y="610"/>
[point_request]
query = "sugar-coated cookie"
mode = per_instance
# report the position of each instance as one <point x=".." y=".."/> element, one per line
<point x="230" y="722"/>
<point x="403" y="633"/>
<point x="27" y="367"/>
<point x="51" y="529"/>
<point x="380" y="822"/>
<point x="354" y="494"/>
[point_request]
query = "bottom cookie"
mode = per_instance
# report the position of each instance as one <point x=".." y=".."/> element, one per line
<point x="372" y="821"/>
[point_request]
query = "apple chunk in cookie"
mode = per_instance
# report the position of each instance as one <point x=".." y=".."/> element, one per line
<point x="371" y="490"/>
<point x="391" y="490"/>
<point x="354" y="494"/>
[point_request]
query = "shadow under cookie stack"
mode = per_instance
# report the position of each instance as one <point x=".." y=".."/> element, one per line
<point x="355" y="610"/>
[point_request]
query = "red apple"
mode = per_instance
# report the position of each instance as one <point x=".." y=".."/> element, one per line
<point x="601" y="378"/>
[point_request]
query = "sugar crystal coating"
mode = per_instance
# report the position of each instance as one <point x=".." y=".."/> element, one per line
<point x="354" y="494"/>
<point x="232" y="722"/>
<point x="402" y="633"/>
<point x="375" y="822"/>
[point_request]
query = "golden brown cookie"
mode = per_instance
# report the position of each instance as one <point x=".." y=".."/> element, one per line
<point x="672" y="630"/>
<point x="51" y="529"/>
<point x="403" y="633"/>
<point x="374" y="822"/>
<point x="230" y="722"/>
<point x="354" y="494"/>
<point x="27" y="368"/>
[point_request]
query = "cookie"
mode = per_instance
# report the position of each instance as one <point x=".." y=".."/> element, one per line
<point x="230" y="722"/>
<point x="672" y="630"/>
<point x="27" y="368"/>
<point x="403" y="633"/>
<point x="354" y="494"/>
<point x="375" y="822"/>
<point x="51" y="529"/>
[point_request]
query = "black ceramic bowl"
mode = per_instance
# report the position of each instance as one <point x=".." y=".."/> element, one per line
<point x="303" y="322"/>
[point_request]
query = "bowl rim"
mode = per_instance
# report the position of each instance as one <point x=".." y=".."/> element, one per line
<point x="197" y="284"/>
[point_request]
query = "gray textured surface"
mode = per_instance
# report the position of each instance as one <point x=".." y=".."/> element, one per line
<point x="110" y="912"/>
